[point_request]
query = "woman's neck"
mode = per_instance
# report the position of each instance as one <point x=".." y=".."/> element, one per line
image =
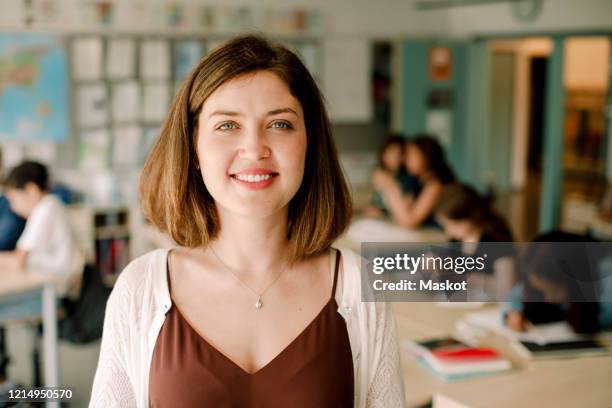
<point x="252" y="245"/>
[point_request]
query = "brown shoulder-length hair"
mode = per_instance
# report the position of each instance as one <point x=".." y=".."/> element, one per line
<point x="173" y="194"/>
<point x="460" y="202"/>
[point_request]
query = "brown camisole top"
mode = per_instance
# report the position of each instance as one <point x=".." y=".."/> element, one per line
<point x="314" y="370"/>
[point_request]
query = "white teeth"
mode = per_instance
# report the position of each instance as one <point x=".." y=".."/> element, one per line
<point x="253" y="178"/>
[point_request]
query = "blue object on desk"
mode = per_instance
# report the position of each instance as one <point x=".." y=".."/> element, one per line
<point x="11" y="226"/>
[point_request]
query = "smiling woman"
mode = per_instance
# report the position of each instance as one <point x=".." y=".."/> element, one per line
<point x="254" y="307"/>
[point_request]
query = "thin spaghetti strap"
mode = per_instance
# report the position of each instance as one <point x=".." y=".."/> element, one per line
<point x="168" y="273"/>
<point x="333" y="293"/>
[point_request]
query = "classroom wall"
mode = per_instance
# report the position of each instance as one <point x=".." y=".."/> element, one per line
<point x="342" y="17"/>
<point x="381" y="18"/>
<point x="556" y="15"/>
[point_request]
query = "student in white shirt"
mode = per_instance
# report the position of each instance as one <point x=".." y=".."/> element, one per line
<point x="46" y="244"/>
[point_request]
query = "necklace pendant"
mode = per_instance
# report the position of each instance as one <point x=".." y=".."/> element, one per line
<point x="259" y="304"/>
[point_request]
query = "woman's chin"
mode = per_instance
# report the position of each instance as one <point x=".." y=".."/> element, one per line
<point x="255" y="211"/>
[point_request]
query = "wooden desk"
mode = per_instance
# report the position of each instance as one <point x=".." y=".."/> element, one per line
<point x="13" y="283"/>
<point x="577" y="382"/>
<point x="378" y="230"/>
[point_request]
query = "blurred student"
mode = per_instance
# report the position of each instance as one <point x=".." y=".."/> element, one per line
<point x="425" y="160"/>
<point x="46" y="243"/>
<point x="391" y="160"/>
<point x="470" y="220"/>
<point x="550" y="291"/>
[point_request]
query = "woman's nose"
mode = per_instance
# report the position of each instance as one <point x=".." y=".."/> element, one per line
<point x="254" y="146"/>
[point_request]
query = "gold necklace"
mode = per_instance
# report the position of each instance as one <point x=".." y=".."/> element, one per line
<point x="259" y="303"/>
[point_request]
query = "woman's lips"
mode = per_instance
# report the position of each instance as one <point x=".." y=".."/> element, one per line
<point x="255" y="180"/>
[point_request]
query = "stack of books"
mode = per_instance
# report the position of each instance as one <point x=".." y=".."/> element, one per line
<point x="451" y="359"/>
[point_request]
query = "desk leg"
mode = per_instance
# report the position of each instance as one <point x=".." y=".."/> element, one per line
<point x="49" y="314"/>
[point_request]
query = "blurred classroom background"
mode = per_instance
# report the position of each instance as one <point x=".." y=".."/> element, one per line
<point x="517" y="93"/>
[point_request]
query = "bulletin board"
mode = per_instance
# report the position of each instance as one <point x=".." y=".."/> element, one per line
<point x="122" y="87"/>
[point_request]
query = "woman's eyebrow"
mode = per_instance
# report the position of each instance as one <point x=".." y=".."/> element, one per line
<point x="223" y="113"/>
<point x="270" y="113"/>
<point x="282" y="110"/>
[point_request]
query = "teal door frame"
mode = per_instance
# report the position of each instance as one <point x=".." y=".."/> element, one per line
<point x="552" y="169"/>
<point x="476" y="163"/>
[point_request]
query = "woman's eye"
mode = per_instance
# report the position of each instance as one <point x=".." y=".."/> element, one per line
<point x="281" y="125"/>
<point x="226" y="126"/>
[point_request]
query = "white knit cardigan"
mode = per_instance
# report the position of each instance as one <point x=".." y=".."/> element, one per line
<point x="137" y="308"/>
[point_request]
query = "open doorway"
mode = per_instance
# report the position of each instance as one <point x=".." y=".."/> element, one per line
<point x="520" y="131"/>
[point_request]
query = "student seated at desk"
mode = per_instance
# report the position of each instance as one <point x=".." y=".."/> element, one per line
<point x="548" y="293"/>
<point x="46" y="243"/>
<point x="469" y="219"/>
<point x="425" y="160"/>
<point x="391" y="160"/>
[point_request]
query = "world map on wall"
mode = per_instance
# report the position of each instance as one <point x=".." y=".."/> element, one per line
<point x="34" y="103"/>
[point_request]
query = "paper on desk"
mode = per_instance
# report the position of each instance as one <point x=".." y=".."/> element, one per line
<point x="369" y="230"/>
<point x="540" y="334"/>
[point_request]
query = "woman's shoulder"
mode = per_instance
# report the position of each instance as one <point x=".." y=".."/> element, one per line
<point x="351" y="263"/>
<point x="365" y="308"/>
<point x="141" y="273"/>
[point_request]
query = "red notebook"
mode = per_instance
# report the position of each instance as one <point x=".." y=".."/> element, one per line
<point x="465" y="353"/>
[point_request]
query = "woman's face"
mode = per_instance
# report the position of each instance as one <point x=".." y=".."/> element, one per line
<point x="415" y="162"/>
<point x="392" y="157"/>
<point x="251" y="144"/>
